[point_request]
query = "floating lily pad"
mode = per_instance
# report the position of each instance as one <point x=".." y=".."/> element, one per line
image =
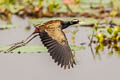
<point x="34" y="49"/>
<point x="8" y="26"/>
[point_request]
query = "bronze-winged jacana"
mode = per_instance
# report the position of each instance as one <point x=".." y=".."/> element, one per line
<point x="54" y="39"/>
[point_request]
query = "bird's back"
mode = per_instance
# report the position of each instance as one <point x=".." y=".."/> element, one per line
<point x="53" y="29"/>
<point x="50" y="25"/>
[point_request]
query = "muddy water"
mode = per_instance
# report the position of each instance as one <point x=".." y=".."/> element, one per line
<point x="36" y="66"/>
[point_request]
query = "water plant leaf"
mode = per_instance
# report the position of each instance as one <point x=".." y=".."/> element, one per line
<point x="109" y="30"/>
<point x="8" y="26"/>
<point x="34" y="49"/>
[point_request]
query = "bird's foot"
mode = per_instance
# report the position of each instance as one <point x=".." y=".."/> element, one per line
<point x="16" y="45"/>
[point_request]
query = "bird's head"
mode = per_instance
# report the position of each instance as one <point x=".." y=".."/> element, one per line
<point x="66" y="24"/>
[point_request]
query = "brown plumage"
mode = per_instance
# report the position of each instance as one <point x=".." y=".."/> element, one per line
<point x="55" y="41"/>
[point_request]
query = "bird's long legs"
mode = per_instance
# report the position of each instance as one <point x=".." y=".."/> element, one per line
<point x="23" y="42"/>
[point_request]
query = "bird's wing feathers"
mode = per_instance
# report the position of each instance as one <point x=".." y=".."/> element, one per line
<point x="58" y="47"/>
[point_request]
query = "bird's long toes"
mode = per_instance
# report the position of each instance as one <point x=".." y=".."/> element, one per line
<point x="16" y="45"/>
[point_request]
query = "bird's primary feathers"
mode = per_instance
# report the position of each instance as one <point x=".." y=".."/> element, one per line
<point x="54" y="39"/>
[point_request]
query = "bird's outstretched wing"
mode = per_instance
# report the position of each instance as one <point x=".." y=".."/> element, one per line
<point x="57" y="45"/>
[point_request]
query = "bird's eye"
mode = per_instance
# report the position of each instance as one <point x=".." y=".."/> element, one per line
<point x="75" y="21"/>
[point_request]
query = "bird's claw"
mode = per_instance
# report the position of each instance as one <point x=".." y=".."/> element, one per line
<point x="16" y="45"/>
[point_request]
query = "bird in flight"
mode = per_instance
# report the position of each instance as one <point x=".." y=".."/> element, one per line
<point x="54" y="39"/>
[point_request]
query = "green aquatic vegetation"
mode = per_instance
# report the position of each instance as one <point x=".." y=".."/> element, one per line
<point x="49" y="6"/>
<point x="53" y="6"/>
<point x="8" y="26"/>
<point x="107" y="38"/>
<point x="35" y="49"/>
<point x="28" y="28"/>
<point x="86" y="21"/>
<point x="16" y="8"/>
<point x="7" y="2"/>
<point x="109" y="30"/>
<point x="115" y="4"/>
<point x="74" y="32"/>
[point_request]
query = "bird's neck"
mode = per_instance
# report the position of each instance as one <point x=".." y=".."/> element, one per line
<point x="66" y="24"/>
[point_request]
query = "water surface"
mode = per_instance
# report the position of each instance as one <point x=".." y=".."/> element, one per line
<point x="34" y="66"/>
